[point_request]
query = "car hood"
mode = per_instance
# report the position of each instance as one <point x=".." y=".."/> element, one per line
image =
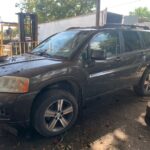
<point x="27" y="65"/>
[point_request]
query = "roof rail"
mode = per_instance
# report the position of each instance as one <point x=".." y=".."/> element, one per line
<point x="126" y="25"/>
<point x="113" y="25"/>
<point x="73" y="28"/>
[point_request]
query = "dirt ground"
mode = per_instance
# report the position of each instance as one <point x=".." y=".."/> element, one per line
<point x="114" y="122"/>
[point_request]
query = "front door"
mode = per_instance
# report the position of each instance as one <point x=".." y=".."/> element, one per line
<point x="102" y="74"/>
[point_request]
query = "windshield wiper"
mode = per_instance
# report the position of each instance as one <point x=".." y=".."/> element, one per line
<point x="39" y="53"/>
<point x="43" y="54"/>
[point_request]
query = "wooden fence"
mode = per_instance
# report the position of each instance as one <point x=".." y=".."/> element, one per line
<point x="17" y="48"/>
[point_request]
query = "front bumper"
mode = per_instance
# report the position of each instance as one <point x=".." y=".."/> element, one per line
<point x="16" y="108"/>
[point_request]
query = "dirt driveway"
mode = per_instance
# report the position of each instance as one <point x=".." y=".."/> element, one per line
<point x="114" y="122"/>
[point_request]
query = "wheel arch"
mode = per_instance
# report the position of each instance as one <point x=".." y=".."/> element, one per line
<point x="142" y="70"/>
<point x="148" y="66"/>
<point x="68" y="85"/>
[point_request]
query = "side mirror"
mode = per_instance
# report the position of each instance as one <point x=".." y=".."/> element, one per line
<point x="98" y="54"/>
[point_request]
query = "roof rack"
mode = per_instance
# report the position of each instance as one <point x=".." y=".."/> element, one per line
<point x="91" y="27"/>
<point x="73" y="28"/>
<point x="113" y="25"/>
<point x="126" y="25"/>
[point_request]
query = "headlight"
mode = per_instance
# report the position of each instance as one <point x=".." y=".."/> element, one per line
<point x="12" y="84"/>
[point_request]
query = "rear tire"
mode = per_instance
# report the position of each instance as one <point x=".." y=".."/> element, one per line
<point x="143" y="88"/>
<point x="147" y="116"/>
<point x="54" y="112"/>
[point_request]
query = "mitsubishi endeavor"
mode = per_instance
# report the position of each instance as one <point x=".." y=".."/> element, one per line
<point x="47" y="87"/>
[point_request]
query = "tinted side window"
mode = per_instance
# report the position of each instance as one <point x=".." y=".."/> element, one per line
<point x="131" y="41"/>
<point x="146" y="38"/>
<point x="106" y="40"/>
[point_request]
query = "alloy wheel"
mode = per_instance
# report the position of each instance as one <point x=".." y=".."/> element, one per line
<point x="58" y="115"/>
<point x="147" y="83"/>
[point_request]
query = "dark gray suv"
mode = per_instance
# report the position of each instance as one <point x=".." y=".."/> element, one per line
<point x="47" y="88"/>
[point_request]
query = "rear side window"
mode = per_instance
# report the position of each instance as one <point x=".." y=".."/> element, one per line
<point x="131" y="41"/>
<point x="146" y="38"/>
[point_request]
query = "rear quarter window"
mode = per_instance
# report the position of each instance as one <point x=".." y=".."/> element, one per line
<point x="146" y="38"/>
<point x="131" y="41"/>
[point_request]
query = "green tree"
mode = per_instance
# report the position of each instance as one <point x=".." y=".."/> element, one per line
<point x="143" y="13"/>
<point x="49" y="10"/>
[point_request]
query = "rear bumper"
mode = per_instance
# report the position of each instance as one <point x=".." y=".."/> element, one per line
<point x="16" y="108"/>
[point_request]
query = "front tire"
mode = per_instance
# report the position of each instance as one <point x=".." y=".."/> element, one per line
<point x="54" y="112"/>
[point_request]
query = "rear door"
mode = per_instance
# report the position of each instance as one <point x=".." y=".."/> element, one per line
<point x="131" y="56"/>
<point x="145" y="36"/>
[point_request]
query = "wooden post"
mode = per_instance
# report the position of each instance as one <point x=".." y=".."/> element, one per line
<point x="98" y="2"/>
<point x="1" y="40"/>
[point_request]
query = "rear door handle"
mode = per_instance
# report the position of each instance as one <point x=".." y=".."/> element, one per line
<point x="118" y="59"/>
<point x="143" y="56"/>
<point x="143" y="53"/>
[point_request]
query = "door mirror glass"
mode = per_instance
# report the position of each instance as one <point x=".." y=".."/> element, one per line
<point x="98" y="54"/>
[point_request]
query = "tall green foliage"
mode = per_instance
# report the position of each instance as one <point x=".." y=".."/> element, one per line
<point x="49" y="10"/>
<point x="143" y="13"/>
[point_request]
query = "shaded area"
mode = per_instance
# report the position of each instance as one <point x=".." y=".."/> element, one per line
<point x="113" y="122"/>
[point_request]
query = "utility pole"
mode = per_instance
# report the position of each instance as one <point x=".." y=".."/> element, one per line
<point x="98" y="2"/>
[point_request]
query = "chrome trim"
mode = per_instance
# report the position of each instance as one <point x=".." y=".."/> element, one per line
<point x="111" y="71"/>
<point x="100" y="73"/>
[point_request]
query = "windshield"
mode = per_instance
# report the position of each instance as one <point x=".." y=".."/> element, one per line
<point x="62" y="44"/>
